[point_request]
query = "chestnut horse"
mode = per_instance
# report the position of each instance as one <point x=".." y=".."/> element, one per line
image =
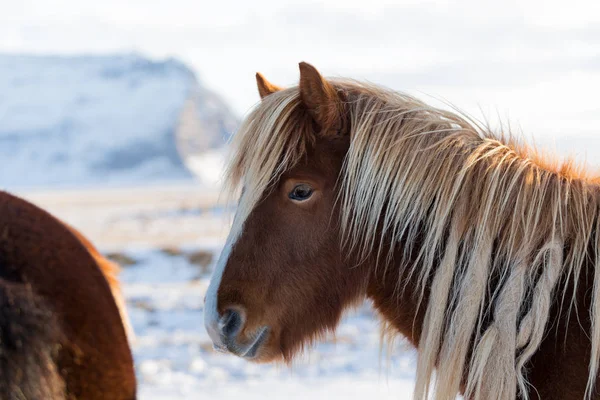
<point x="110" y="270"/>
<point x="62" y="334"/>
<point x="480" y="251"/>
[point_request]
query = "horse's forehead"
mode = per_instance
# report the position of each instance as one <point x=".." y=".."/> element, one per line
<point x="328" y="154"/>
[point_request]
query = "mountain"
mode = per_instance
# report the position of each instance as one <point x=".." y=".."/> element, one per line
<point x="103" y="120"/>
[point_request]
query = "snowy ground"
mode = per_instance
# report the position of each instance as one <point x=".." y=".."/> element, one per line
<point x="167" y="240"/>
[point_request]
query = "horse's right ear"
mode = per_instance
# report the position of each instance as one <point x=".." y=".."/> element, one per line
<point x="320" y="97"/>
<point x="265" y="87"/>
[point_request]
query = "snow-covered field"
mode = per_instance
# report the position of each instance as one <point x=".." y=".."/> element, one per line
<point x="167" y="240"/>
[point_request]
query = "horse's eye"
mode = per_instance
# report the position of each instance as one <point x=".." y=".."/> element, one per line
<point x="301" y="192"/>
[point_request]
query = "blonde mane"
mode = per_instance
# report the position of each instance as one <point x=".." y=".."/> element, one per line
<point x="501" y="228"/>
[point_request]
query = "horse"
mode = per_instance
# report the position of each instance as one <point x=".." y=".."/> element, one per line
<point x="110" y="270"/>
<point x="480" y="250"/>
<point x="62" y="333"/>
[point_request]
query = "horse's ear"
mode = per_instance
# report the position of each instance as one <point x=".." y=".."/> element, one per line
<point x="320" y="97"/>
<point x="265" y="87"/>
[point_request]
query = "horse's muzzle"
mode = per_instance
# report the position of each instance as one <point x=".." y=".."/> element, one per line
<point x="225" y="334"/>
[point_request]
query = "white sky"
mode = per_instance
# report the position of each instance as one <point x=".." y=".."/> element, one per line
<point x="536" y="63"/>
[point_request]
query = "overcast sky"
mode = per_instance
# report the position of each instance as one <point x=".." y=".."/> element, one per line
<point x="536" y="63"/>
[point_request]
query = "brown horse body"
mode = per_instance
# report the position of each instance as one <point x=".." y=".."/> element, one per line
<point x="482" y="254"/>
<point x="61" y="333"/>
<point x="110" y="270"/>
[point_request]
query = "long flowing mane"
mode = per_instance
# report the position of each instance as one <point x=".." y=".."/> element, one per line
<point x="501" y="229"/>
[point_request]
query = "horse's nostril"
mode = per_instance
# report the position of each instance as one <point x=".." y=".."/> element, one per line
<point x="231" y="324"/>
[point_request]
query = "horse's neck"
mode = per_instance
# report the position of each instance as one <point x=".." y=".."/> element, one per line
<point x="392" y="290"/>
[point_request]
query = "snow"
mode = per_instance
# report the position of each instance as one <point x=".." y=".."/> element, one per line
<point x="89" y="120"/>
<point x="208" y="166"/>
<point x="171" y="236"/>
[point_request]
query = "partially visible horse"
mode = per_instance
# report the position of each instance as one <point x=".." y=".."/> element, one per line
<point x="62" y="335"/>
<point x="110" y="270"/>
<point x="482" y="252"/>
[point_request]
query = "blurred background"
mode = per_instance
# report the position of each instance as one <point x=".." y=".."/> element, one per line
<point x="115" y="116"/>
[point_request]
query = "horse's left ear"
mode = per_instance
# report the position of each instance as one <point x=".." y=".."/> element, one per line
<point x="321" y="98"/>
<point x="265" y="87"/>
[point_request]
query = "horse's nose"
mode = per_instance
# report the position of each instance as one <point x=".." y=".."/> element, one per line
<point x="225" y="329"/>
<point x="230" y="325"/>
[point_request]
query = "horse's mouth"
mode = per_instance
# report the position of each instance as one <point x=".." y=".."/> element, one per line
<point x="250" y="350"/>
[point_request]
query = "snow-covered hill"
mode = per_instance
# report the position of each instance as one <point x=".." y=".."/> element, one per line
<point x="103" y="120"/>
